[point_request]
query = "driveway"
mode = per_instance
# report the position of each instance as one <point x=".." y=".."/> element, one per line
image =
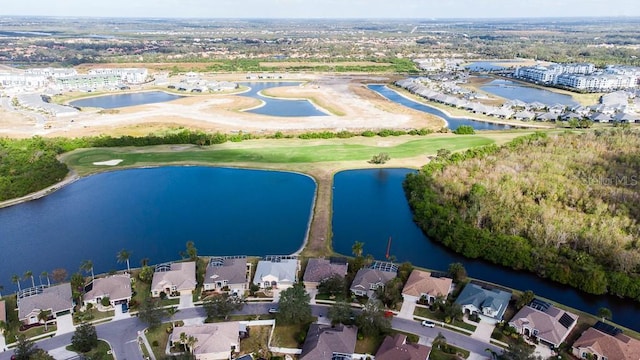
<point x="62" y="353"/>
<point x="407" y="309"/>
<point x="65" y="324"/>
<point x="119" y="315"/>
<point x="483" y="331"/>
<point x="186" y="301"/>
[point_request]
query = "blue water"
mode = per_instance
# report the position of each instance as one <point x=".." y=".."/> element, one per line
<point x="453" y="122"/>
<point x="124" y="100"/>
<point x="516" y="91"/>
<point x="153" y="213"/>
<point x="280" y="107"/>
<point x="369" y="206"/>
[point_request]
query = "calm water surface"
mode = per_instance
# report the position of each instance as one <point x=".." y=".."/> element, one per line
<point x="516" y="91"/>
<point x="124" y="100"/>
<point x="370" y="206"/>
<point x="453" y="123"/>
<point x="153" y="213"/>
<point x="280" y="107"/>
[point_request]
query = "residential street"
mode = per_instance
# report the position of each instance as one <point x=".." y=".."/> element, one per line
<point x="123" y="334"/>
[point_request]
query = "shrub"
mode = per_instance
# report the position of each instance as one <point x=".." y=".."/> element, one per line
<point x="380" y="158"/>
<point x="464" y="130"/>
<point x="105" y="301"/>
<point x="368" y="133"/>
<point x="155" y="343"/>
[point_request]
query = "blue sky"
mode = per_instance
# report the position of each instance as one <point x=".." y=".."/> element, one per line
<point x="323" y="8"/>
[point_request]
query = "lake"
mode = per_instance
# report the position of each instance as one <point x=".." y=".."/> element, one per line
<point x="124" y="100"/>
<point x="452" y="122"/>
<point x="369" y="206"/>
<point x="153" y="213"/>
<point x="279" y="107"/>
<point x="515" y="91"/>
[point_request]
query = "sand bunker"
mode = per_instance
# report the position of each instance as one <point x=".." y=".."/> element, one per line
<point x="109" y="162"/>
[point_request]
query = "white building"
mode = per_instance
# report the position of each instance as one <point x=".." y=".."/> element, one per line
<point x="23" y="81"/>
<point x="50" y="72"/>
<point x="127" y="75"/>
<point x="88" y="82"/>
<point x="277" y="272"/>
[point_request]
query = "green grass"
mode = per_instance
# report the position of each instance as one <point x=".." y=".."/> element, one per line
<point x="160" y="335"/>
<point x="437" y="354"/>
<point x="369" y="344"/>
<point x="303" y="153"/>
<point x="102" y="351"/>
<point x="288" y="335"/>
<point x="92" y="315"/>
<point x="39" y="330"/>
<point x="257" y="342"/>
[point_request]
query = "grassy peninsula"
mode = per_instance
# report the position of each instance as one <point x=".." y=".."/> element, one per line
<point x="564" y="206"/>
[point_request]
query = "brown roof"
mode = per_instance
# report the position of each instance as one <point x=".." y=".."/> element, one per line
<point x="322" y="269"/>
<point x="547" y="323"/>
<point x="619" y="347"/>
<point x="212" y="338"/>
<point x="421" y="282"/>
<point x="396" y="348"/>
<point x="323" y="341"/>
<point x="3" y="311"/>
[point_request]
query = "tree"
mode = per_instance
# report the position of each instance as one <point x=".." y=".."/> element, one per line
<point x="294" y="306"/>
<point x="371" y="320"/>
<point x="191" y="252"/>
<point x="519" y="351"/>
<point x="391" y="293"/>
<point x="29" y="274"/>
<point x="452" y="311"/>
<point x="457" y="272"/>
<point x="440" y="342"/>
<point x="340" y="313"/>
<point x="443" y="154"/>
<point x="380" y="158"/>
<point x="45" y="274"/>
<point x="464" y="130"/>
<point x="144" y="262"/>
<point x="25" y="349"/>
<point x="604" y="313"/>
<point x="87" y="266"/>
<point x="123" y="256"/>
<point x="77" y="285"/>
<point x="146" y="274"/>
<point x="404" y="271"/>
<point x="357" y="248"/>
<point x="59" y="275"/>
<point x="85" y="338"/>
<point x="150" y="312"/>
<point x="333" y="286"/>
<point x="221" y="305"/>
<point x="43" y="316"/>
<point x="525" y="299"/>
<point x="16" y="280"/>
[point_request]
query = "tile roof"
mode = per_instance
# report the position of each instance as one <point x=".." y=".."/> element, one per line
<point x="421" y="282"/>
<point x="115" y="287"/>
<point x="57" y="298"/>
<point x="3" y="311"/>
<point x="284" y="270"/>
<point x="547" y="323"/>
<point x="324" y="340"/>
<point x="182" y="275"/>
<point x="619" y="347"/>
<point x="366" y="277"/>
<point x="480" y="297"/>
<point x="212" y="338"/>
<point x="396" y="348"/>
<point x="321" y="269"/>
<point x="234" y="270"/>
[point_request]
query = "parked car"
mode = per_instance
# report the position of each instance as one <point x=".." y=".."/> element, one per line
<point x="273" y="310"/>
<point x="428" y="323"/>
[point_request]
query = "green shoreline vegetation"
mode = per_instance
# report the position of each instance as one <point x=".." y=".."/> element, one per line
<point x="564" y="207"/>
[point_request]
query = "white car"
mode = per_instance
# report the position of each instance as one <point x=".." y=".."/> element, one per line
<point x="428" y="323"/>
<point x="273" y="311"/>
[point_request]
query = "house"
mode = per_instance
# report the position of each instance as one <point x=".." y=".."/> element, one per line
<point x="545" y="322"/>
<point x="117" y="288"/>
<point x="174" y="278"/>
<point x="321" y="269"/>
<point x="56" y="299"/>
<point x="329" y="342"/>
<point x="524" y="115"/>
<point x="424" y="284"/>
<point x="367" y="280"/>
<point x="547" y="116"/>
<point x="230" y="273"/>
<point x="397" y="348"/>
<point x="277" y="272"/>
<point x="601" y="118"/>
<point x="214" y="341"/>
<point x="489" y="304"/>
<point x="603" y="341"/>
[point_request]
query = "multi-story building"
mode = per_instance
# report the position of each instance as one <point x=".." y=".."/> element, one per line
<point x="88" y="82"/>
<point x="26" y="81"/>
<point x="50" y="72"/>
<point x="127" y="75"/>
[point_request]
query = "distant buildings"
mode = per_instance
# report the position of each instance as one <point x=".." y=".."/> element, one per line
<point x="126" y="75"/>
<point x="581" y="76"/>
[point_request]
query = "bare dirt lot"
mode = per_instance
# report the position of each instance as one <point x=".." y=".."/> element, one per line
<point x="348" y="103"/>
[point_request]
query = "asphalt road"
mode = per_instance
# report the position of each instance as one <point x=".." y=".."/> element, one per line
<point x="123" y="334"/>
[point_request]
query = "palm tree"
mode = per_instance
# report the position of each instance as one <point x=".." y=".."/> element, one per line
<point x="43" y="315"/>
<point x="29" y="274"/>
<point x="144" y="262"/>
<point x="124" y="255"/>
<point x="45" y="275"/>
<point x="191" y="342"/>
<point x="16" y="280"/>
<point x="357" y="248"/>
<point x="183" y="340"/>
<point x="604" y="313"/>
<point x="87" y="266"/>
<point x="171" y="312"/>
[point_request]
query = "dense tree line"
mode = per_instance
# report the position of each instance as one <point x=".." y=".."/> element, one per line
<point x="565" y="207"/>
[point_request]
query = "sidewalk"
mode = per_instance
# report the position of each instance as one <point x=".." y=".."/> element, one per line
<point x="3" y="343"/>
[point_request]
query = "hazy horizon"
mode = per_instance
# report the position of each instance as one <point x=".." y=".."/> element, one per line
<point x="326" y="9"/>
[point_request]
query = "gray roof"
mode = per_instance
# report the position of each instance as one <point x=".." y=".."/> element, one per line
<point x="321" y="269"/>
<point x="480" y="297"/>
<point x="234" y="270"/>
<point x="366" y="277"/>
<point x="182" y="275"/>
<point x="55" y="298"/>
<point x="114" y="287"/>
<point x="324" y="340"/>
<point x="284" y="270"/>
